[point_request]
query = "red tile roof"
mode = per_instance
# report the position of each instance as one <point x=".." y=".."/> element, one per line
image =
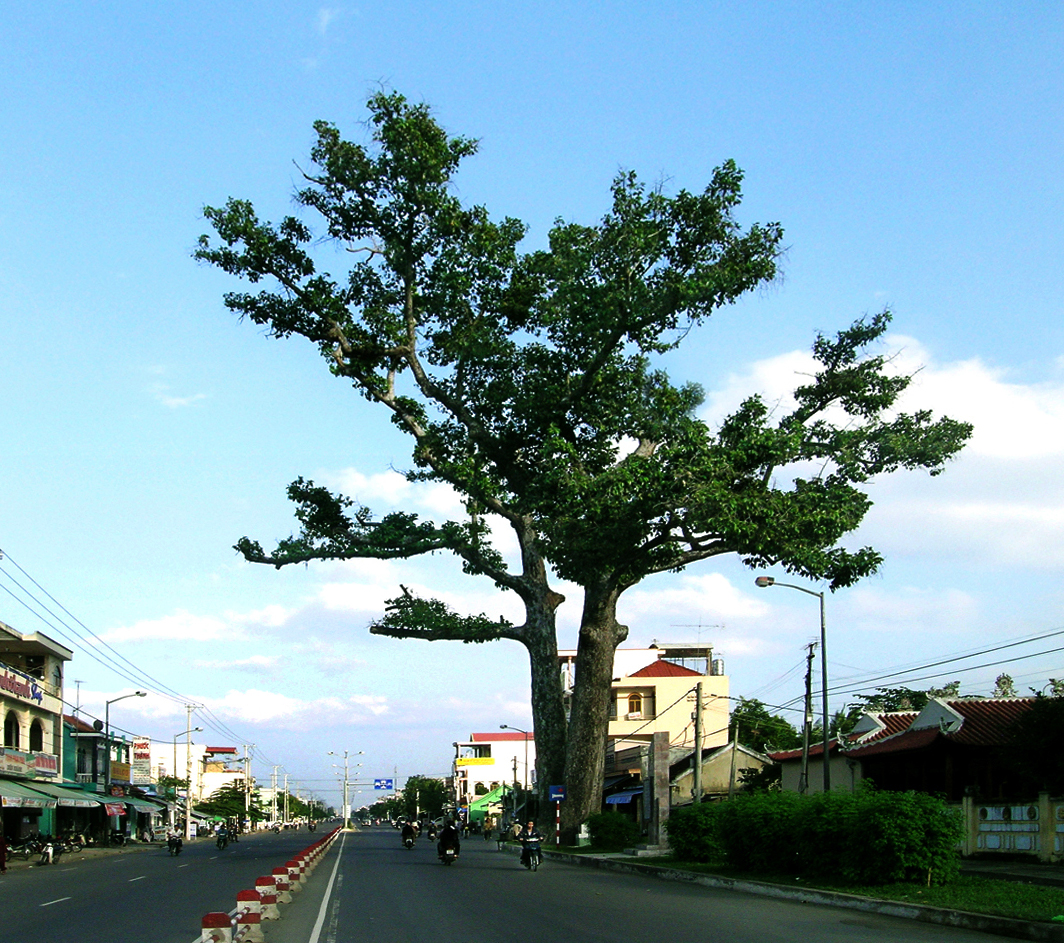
<point x="909" y="740"/>
<point x="986" y="721"/>
<point x="501" y="735"/>
<point x="664" y="669"/>
<point x="815" y="749"/>
<point x="79" y="725"/>
<point x="893" y="722"/>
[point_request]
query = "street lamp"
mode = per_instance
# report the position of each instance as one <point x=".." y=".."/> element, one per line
<point x="347" y="810"/>
<point x="107" y="725"/>
<point x="188" y="787"/>
<point x="524" y="783"/>
<point x="764" y="581"/>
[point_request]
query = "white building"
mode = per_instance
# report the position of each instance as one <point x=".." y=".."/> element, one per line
<point x="488" y="760"/>
<point x="211" y="768"/>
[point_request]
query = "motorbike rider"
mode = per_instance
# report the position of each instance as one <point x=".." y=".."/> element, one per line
<point x="529" y="837"/>
<point x="449" y="838"/>
<point x="408" y="832"/>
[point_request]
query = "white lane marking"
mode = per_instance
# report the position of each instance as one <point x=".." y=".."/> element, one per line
<point x="320" y="922"/>
<point x="58" y="900"/>
<point x="182" y="865"/>
<point x="141" y="878"/>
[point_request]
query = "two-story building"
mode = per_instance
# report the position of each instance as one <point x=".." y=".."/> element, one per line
<point x="489" y="761"/>
<point x="31" y="705"/>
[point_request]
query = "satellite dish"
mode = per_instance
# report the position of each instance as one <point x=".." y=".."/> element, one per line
<point x="97" y="725"/>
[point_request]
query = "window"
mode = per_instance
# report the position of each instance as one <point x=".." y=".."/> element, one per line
<point x="635" y="705"/>
<point x="11" y="730"/>
<point x="36" y="737"/>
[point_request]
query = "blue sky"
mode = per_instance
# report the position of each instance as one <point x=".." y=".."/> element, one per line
<point x="912" y="153"/>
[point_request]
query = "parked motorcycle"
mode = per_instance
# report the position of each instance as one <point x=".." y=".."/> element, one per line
<point x="51" y="850"/>
<point x="25" y="848"/>
<point x="118" y="837"/>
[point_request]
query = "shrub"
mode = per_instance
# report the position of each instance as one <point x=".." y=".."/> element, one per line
<point x="866" y="837"/>
<point x="693" y="832"/>
<point x="612" y="831"/>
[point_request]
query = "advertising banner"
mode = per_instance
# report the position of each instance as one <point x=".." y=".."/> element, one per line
<point x="141" y="762"/>
<point x="13" y="763"/>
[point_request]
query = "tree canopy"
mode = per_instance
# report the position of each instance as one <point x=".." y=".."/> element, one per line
<point x="528" y="382"/>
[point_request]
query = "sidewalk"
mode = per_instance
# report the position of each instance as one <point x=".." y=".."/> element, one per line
<point x="1020" y="872"/>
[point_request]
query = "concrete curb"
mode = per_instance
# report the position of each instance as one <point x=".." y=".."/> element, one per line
<point x="1003" y="926"/>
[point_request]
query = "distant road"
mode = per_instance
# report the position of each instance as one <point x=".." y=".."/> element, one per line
<point x="381" y="893"/>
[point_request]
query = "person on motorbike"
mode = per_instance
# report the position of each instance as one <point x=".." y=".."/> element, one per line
<point x="530" y="839"/>
<point x="408" y="832"/>
<point x="449" y="838"/>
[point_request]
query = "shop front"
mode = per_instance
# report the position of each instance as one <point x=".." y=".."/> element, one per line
<point x="23" y="809"/>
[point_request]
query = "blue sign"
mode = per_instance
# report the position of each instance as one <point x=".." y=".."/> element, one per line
<point x="557" y="793"/>
<point x="383" y="784"/>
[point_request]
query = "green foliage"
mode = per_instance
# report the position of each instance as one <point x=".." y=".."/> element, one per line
<point x="612" y="831"/>
<point x="894" y="699"/>
<point x="1035" y="747"/>
<point x="423" y="794"/>
<point x="866" y="837"/>
<point x="760" y="730"/>
<point x="229" y="801"/>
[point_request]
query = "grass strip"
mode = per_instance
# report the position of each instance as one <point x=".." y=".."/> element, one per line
<point x="975" y="894"/>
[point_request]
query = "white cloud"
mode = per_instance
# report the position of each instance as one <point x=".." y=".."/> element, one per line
<point x="712" y="595"/>
<point x="181" y="625"/>
<point x="256" y="706"/>
<point x="253" y="662"/>
<point x="161" y="394"/>
<point x="325" y="18"/>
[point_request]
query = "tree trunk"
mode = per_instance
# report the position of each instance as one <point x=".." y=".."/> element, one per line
<point x="541" y="641"/>
<point x="589" y="716"/>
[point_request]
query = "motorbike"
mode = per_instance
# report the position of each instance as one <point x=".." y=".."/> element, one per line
<point x="531" y="856"/>
<point x="408" y="842"/>
<point x="448" y="855"/>
<point x="26" y="848"/>
<point x="223" y="840"/>
<point x="51" y="850"/>
<point x="118" y="837"/>
<point x="174" y="844"/>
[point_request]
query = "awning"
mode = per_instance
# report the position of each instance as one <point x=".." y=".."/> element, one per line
<point x="142" y="805"/>
<point x="68" y="798"/>
<point x="15" y="795"/>
<point x="625" y="795"/>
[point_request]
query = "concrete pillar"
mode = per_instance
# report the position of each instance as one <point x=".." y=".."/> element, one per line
<point x="658" y="785"/>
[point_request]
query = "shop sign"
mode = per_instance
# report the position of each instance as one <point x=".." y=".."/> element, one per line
<point x="120" y="771"/>
<point x="141" y="762"/>
<point x="45" y="764"/>
<point x="13" y="681"/>
<point x="475" y="761"/>
<point x="14" y="763"/>
<point x="115" y="808"/>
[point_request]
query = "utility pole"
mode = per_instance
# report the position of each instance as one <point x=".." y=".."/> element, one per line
<point x="189" y="708"/>
<point x="247" y="784"/>
<point x="284" y="814"/>
<point x="273" y="795"/>
<point x="696" y="794"/>
<point x="803" y="782"/>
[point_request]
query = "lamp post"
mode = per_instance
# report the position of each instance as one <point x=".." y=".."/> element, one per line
<point x="764" y="581"/>
<point x="107" y="725"/>
<point x="184" y="733"/>
<point x="346" y="810"/>
<point x="524" y="780"/>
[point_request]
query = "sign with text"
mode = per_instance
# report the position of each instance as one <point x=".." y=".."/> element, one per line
<point x="475" y="761"/>
<point x="384" y="784"/>
<point x="141" y="770"/>
<point x="556" y="793"/>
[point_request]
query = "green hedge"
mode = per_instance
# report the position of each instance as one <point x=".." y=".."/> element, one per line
<point x="612" y="831"/>
<point x="866" y="837"/>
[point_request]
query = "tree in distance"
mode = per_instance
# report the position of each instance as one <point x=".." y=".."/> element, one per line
<point x="528" y="383"/>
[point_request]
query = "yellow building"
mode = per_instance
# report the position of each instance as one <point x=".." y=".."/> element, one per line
<point x="654" y="690"/>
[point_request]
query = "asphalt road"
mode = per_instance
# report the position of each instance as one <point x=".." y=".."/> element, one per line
<point x="370" y="890"/>
<point x="138" y="896"/>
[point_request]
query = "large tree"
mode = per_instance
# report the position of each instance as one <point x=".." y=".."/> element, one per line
<point x="527" y="383"/>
